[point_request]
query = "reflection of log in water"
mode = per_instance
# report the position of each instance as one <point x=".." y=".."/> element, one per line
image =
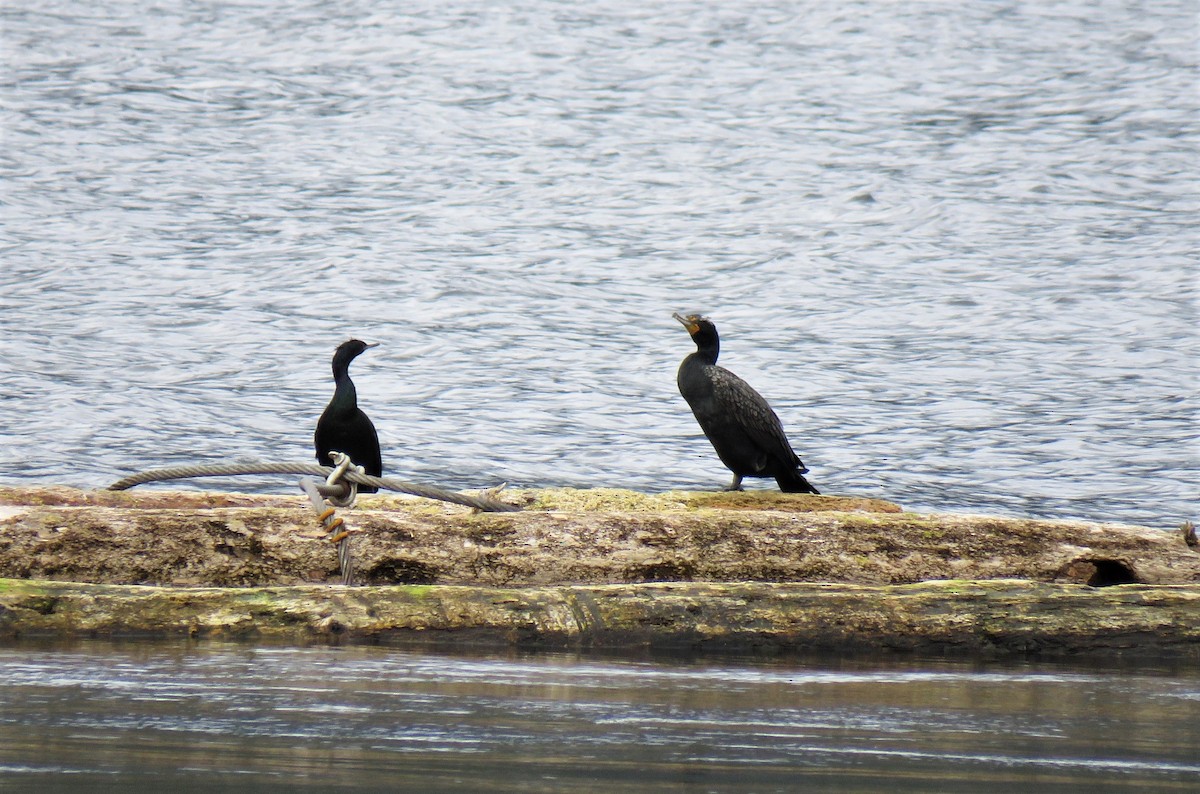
<point x="577" y="567"/>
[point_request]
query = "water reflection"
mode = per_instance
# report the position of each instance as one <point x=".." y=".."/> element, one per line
<point x="199" y="716"/>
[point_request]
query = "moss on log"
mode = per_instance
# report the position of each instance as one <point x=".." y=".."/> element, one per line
<point x="1001" y="617"/>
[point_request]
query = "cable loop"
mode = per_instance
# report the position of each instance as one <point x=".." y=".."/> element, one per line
<point x="342" y="464"/>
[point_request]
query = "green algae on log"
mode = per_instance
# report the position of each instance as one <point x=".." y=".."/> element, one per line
<point x="1000" y="617"/>
<point x="561" y="537"/>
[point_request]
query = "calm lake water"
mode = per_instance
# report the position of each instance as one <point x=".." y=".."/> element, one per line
<point x="954" y="244"/>
<point x="211" y="717"/>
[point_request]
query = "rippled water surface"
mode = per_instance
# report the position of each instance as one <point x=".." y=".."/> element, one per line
<point x="953" y="243"/>
<point x="210" y="717"/>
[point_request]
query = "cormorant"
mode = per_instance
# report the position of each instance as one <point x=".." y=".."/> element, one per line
<point x="343" y="426"/>
<point x="743" y="429"/>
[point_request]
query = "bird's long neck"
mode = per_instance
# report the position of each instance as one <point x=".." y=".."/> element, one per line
<point x="345" y="396"/>
<point x="708" y="346"/>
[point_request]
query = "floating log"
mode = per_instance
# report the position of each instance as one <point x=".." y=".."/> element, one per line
<point x="562" y="536"/>
<point x="592" y="567"/>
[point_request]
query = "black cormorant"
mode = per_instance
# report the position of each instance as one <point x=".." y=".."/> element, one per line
<point x="343" y="426"/>
<point x="743" y="429"/>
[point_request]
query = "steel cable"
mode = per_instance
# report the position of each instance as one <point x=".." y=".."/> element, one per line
<point x="233" y="469"/>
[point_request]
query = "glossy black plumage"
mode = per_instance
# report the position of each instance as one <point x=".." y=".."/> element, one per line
<point x="745" y="432"/>
<point x="343" y="426"/>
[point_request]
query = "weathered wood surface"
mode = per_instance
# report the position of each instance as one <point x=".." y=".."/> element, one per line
<point x="1001" y="617"/>
<point x="563" y="537"/>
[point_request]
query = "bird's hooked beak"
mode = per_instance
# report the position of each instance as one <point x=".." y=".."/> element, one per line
<point x="372" y="344"/>
<point x="688" y="322"/>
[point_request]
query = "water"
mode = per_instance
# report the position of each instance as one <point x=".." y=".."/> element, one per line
<point x="953" y="244"/>
<point x="205" y="717"/>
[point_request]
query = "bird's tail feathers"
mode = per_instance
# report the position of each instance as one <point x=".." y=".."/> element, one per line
<point x="792" y="481"/>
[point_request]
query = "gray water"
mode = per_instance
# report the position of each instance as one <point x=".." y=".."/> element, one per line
<point x="953" y="244"/>
<point x="210" y="717"/>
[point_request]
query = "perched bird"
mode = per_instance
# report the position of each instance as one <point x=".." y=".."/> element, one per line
<point x="743" y="429"/>
<point x="343" y="426"/>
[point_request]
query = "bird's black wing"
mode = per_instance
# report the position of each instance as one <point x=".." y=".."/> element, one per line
<point x="753" y="413"/>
